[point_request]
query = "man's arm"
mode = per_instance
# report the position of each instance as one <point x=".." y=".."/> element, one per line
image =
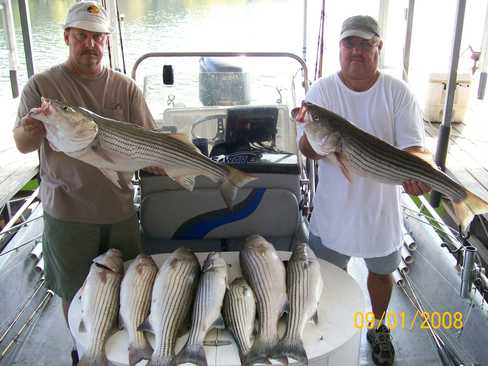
<point x="29" y="134"/>
<point x="414" y="187"/>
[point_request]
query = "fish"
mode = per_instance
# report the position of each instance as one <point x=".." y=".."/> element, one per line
<point x="172" y="298"/>
<point x="356" y="151"/>
<point x="100" y="305"/>
<point x="304" y="286"/>
<point x="206" y="309"/>
<point x="265" y="273"/>
<point x="135" y="302"/>
<point x="239" y="312"/>
<point x="119" y="148"/>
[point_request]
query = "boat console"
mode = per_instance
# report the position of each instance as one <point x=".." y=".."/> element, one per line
<point x="249" y="138"/>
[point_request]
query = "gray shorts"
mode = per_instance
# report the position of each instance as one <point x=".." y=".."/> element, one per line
<point x="378" y="265"/>
<point x="69" y="248"/>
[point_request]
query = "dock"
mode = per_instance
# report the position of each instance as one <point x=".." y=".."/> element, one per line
<point x="16" y="169"/>
<point x="468" y="148"/>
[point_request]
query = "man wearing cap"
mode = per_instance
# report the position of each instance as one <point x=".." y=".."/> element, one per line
<point x="362" y="218"/>
<point x="84" y="213"/>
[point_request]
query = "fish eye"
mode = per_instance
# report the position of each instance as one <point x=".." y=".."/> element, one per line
<point x="65" y="108"/>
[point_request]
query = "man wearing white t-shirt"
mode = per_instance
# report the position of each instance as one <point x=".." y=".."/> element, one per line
<point x="362" y="218"/>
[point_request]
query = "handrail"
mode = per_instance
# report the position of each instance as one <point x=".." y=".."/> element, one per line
<point x="224" y="54"/>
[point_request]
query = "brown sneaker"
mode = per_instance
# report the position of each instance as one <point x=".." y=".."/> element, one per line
<point x="380" y="340"/>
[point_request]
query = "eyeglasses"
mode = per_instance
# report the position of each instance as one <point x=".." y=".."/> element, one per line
<point x="362" y="45"/>
<point x="82" y="36"/>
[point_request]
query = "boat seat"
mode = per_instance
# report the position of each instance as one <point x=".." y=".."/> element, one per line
<point x="172" y="217"/>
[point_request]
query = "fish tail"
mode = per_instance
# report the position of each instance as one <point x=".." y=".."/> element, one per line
<point x="164" y="361"/>
<point x="193" y="353"/>
<point x="259" y="352"/>
<point x="234" y="180"/>
<point x="291" y="348"/>
<point x="99" y="360"/>
<point x="466" y="209"/>
<point x="137" y="354"/>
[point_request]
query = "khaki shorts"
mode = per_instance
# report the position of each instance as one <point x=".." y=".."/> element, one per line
<point x="379" y="265"/>
<point x="69" y="248"/>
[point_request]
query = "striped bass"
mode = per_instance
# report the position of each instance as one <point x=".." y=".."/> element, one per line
<point x="135" y="301"/>
<point x="117" y="147"/>
<point x="172" y="298"/>
<point x="265" y="272"/>
<point x="240" y="314"/>
<point x="304" y="285"/>
<point x="206" y="308"/>
<point x="356" y="151"/>
<point x="100" y="305"/>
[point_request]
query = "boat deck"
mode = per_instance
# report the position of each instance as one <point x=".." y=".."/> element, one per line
<point x="47" y="341"/>
<point x="16" y="169"/>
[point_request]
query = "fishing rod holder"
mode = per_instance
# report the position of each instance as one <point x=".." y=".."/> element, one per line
<point x="467" y="274"/>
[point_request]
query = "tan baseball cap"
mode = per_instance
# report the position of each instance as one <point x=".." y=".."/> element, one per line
<point x="88" y="15"/>
<point x="362" y="26"/>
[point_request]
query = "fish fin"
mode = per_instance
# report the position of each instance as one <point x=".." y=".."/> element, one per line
<point x="466" y="209"/>
<point x="291" y="348"/>
<point x="193" y="353"/>
<point x="112" y="176"/>
<point x="121" y="324"/>
<point x="187" y="182"/>
<point x="234" y="180"/>
<point x="82" y="327"/>
<point x="219" y="323"/>
<point x="315" y="317"/>
<point x="184" y="138"/>
<point x="342" y="161"/>
<point x="162" y="361"/>
<point x="101" y="153"/>
<point x="99" y="360"/>
<point x="146" y="326"/>
<point x="425" y="156"/>
<point x="259" y="353"/>
<point x="138" y="354"/>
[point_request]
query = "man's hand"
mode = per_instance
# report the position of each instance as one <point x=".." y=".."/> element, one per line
<point x="416" y="188"/>
<point x="155" y="170"/>
<point x="29" y="134"/>
<point x="33" y="127"/>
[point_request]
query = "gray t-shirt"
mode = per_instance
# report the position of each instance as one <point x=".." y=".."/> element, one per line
<point x="72" y="190"/>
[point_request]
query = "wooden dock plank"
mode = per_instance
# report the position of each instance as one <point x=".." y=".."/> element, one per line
<point x="16" y="169"/>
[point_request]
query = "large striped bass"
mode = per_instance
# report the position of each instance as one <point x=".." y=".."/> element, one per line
<point x="206" y="308"/>
<point x="265" y="273"/>
<point x="172" y="297"/>
<point x="117" y="147"/>
<point x="100" y="305"/>
<point x="240" y="314"/>
<point x="135" y="301"/>
<point x="356" y="151"/>
<point x="304" y="285"/>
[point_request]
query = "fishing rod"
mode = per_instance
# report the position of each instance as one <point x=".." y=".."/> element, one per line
<point x="21" y="245"/>
<point x="38" y="310"/>
<point x="447" y="354"/>
<point x="21" y="311"/>
<point x="120" y="36"/>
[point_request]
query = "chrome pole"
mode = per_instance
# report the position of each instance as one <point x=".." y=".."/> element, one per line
<point x="467" y="273"/>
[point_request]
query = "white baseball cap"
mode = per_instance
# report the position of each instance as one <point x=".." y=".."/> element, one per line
<point x="88" y="15"/>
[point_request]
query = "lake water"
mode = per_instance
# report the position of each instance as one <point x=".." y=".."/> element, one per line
<point x="252" y="25"/>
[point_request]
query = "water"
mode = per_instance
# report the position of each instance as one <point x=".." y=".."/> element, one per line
<point x="253" y="25"/>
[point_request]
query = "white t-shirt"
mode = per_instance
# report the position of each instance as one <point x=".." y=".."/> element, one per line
<point x="363" y="218"/>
